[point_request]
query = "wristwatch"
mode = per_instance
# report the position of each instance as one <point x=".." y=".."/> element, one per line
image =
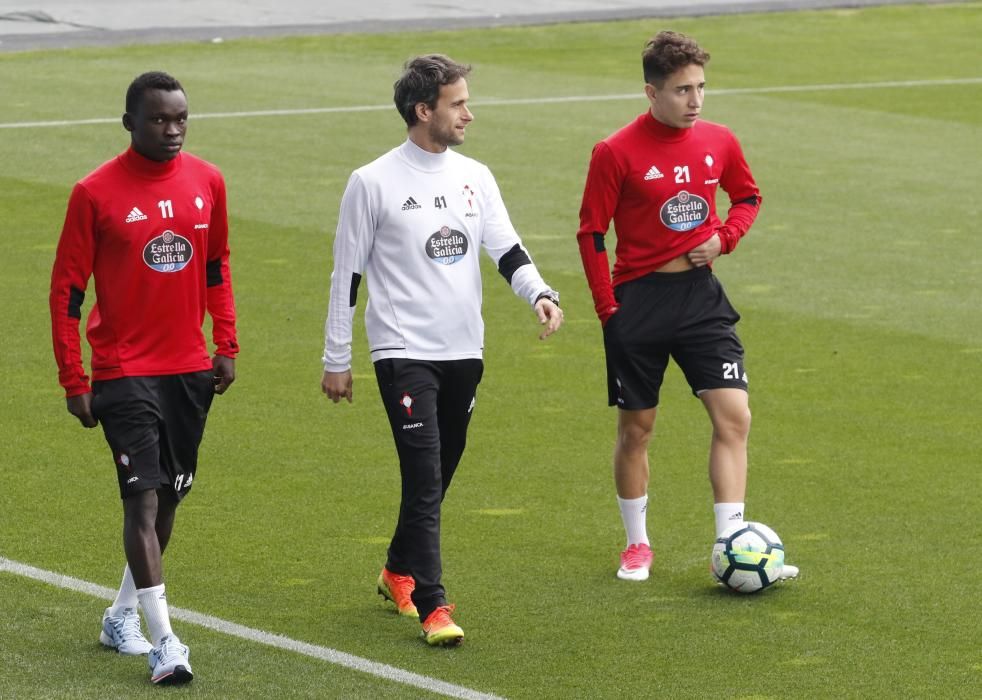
<point x="551" y="295"/>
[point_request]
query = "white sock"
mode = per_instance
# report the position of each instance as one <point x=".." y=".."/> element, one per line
<point x="154" y="603"/>
<point x="126" y="597"/>
<point x="633" y="512"/>
<point x="727" y="515"/>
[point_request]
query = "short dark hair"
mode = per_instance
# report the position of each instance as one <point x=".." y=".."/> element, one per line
<point x="421" y="80"/>
<point x="666" y="53"/>
<point x="154" y="80"/>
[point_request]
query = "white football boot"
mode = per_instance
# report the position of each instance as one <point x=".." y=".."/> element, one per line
<point x="788" y="572"/>
<point x="122" y="632"/>
<point x="169" y="662"/>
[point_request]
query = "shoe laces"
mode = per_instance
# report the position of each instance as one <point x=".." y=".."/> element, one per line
<point x="401" y="586"/>
<point x="636" y="556"/>
<point x="400" y="579"/>
<point x="127" y="625"/>
<point x="170" y="646"/>
<point x="439" y="618"/>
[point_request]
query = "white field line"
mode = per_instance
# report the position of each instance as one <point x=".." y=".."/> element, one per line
<point x="339" y="658"/>
<point x="828" y="87"/>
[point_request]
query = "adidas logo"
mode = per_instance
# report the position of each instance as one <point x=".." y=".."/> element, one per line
<point x="653" y="174"/>
<point x="411" y="204"/>
<point x="135" y="215"/>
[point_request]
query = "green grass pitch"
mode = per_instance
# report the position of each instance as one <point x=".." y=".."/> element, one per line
<point x="860" y="286"/>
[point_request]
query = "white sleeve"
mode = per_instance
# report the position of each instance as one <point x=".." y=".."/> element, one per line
<point x="352" y="245"/>
<point x="503" y="244"/>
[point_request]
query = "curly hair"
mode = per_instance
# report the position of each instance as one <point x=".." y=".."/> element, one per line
<point x="154" y="80"/>
<point x="666" y="53"/>
<point x="421" y="80"/>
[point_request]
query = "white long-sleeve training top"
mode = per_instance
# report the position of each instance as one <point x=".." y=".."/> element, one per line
<point x="413" y="222"/>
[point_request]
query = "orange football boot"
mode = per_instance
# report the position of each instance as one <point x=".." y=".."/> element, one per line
<point x="399" y="589"/>
<point x="440" y="630"/>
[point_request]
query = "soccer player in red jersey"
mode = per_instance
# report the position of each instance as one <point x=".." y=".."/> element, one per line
<point x="150" y="227"/>
<point x="656" y="178"/>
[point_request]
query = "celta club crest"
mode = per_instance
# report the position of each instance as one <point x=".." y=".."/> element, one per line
<point x="407" y="403"/>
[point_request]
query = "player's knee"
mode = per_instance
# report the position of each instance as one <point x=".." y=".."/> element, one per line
<point x="633" y="437"/>
<point x="734" y="426"/>
<point x="140" y="511"/>
<point x="745" y="419"/>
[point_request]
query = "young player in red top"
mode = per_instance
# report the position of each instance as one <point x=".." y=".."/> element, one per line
<point x="656" y="178"/>
<point x="150" y="226"/>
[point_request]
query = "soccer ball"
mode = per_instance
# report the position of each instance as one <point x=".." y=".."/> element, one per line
<point x="748" y="557"/>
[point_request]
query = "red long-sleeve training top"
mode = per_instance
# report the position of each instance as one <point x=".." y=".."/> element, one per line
<point x="154" y="235"/>
<point x="659" y="184"/>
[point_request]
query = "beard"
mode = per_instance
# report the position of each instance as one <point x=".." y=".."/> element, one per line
<point x="445" y="135"/>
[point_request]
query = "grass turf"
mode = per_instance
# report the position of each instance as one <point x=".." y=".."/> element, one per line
<point x="859" y="287"/>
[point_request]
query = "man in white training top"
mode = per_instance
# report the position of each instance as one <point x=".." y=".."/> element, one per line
<point x="414" y="220"/>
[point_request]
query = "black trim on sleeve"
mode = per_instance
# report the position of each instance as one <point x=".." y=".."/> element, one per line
<point x="751" y="200"/>
<point x="598" y="243"/>
<point x="511" y="261"/>
<point x="213" y="273"/>
<point x="353" y="292"/>
<point x="75" y="298"/>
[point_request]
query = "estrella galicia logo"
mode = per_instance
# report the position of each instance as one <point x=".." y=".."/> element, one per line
<point x="168" y="252"/>
<point x="446" y="246"/>
<point x="684" y="211"/>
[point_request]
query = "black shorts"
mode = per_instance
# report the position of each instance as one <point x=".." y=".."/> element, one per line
<point x="683" y="315"/>
<point x="154" y="426"/>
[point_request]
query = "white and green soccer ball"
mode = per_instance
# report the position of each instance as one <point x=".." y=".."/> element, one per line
<point x="748" y="557"/>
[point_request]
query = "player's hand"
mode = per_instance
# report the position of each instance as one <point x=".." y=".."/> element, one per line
<point x="224" y="368"/>
<point x="81" y="407"/>
<point x="337" y="385"/>
<point x="607" y="315"/>
<point x="550" y="316"/>
<point x="703" y="254"/>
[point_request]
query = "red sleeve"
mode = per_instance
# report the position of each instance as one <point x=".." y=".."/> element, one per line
<point x="69" y="278"/>
<point x="600" y="197"/>
<point x="738" y="182"/>
<point x="221" y="305"/>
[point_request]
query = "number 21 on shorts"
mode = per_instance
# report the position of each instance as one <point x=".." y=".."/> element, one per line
<point x="731" y="370"/>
